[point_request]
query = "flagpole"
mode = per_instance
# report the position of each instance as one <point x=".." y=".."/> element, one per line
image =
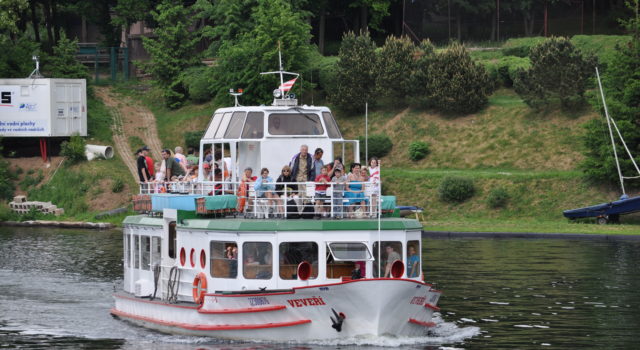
<point x="366" y="132"/>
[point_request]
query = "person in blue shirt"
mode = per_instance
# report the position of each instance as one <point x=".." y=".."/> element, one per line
<point x="265" y="188"/>
<point x="413" y="263"/>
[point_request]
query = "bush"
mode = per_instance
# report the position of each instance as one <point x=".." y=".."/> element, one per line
<point x="418" y="150"/>
<point x="454" y="82"/>
<point x="456" y="189"/>
<point x="498" y="198"/>
<point x="520" y="47"/>
<point x="559" y="73"/>
<point x="379" y="146"/>
<point x="63" y="63"/>
<point x="192" y="139"/>
<point x="355" y="74"/>
<point x="117" y="186"/>
<point x="323" y="70"/>
<point x="505" y="69"/>
<point x="6" y="180"/>
<point x="394" y="60"/>
<point x="197" y="82"/>
<point x="30" y="181"/>
<point x="73" y="149"/>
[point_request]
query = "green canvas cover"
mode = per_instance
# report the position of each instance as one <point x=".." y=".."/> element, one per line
<point x="227" y="201"/>
<point x="388" y="202"/>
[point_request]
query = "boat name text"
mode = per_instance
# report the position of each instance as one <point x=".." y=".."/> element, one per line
<point x="257" y="301"/>
<point x="306" y="302"/>
<point x="418" y="300"/>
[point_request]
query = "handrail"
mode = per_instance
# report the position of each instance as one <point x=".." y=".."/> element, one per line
<point x="285" y="199"/>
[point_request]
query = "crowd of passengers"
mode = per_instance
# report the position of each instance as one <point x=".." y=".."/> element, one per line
<point x="348" y="187"/>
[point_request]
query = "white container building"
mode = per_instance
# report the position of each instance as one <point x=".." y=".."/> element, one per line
<point x="43" y="107"/>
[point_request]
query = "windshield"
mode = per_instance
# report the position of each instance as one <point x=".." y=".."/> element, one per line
<point x="349" y="251"/>
<point x="295" y="124"/>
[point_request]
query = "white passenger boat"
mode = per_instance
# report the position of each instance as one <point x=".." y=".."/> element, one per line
<point x="211" y="257"/>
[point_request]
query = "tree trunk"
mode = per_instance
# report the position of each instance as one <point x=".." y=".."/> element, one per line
<point x="34" y="20"/>
<point x="494" y="21"/>
<point x="364" y="21"/>
<point x="47" y="20"/>
<point x="459" y="25"/>
<point x="321" y="30"/>
<point x="56" y="22"/>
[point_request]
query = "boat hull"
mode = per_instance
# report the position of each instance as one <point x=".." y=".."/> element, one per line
<point x="397" y="307"/>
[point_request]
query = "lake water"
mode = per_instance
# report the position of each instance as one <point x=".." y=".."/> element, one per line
<point x="56" y="287"/>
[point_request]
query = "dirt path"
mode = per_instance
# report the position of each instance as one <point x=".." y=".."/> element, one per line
<point x="129" y="120"/>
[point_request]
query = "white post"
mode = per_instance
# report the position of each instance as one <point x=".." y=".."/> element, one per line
<point x="366" y="132"/>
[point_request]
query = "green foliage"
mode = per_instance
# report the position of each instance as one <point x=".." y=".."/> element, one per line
<point x="197" y="83"/>
<point x="192" y="138"/>
<point x="63" y="62"/>
<point x="67" y="189"/>
<point x="117" y="185"/>
<point x="30" y="181"/>
<point x="379" y="146"/>
<point x="601" y="46"/>
<point x="498" y="198"/>
<point x="505" y="69"/>
<point x="621" y="83"/>
<point x="418" y="150"/>
<point x="394" y="63"/>
<point x="323" y="70"/>
<point x="99" y="120"/>
<point x="521" y="47"/>
<point x="6" y="179"/>
<point x="559" y="73"/>
<point x="230" y="18"/>
<point x="355" y="75"/>
<point x="450" y="81"/>
<point x="241" y="60"/>
<point x="172" y="49"/>
<point x="73" y="149"/>
<point x="135" y="143"/>
<point x="456" y="189"/>
<point x="15" y="57"/>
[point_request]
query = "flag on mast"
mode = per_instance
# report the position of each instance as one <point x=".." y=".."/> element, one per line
<point x="287" y="85"/>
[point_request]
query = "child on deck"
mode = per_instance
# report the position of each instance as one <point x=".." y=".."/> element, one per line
<point x="322" y="182"/>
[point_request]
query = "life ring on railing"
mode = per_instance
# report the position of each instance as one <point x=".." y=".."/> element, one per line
<point x="242" y="196"/>
<point x="199" y="288"/>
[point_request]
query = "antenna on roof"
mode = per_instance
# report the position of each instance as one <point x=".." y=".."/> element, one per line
<point x="36" y="72"/>
<point x="235" y="95"/>
<point x="279" y="93"/>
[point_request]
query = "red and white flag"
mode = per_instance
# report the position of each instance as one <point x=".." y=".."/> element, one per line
<point x="287" y="85"/>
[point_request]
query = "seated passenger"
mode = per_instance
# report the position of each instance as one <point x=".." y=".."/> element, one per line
<point x="286" y="192"/>
<point x="322" y="183"/>
<point x="265" y="188"/>
<point x="339" y="181"/>
<point x="355" y="191"/>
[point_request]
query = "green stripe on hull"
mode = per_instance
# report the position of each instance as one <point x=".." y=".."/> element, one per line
<point x="300" y="225"/>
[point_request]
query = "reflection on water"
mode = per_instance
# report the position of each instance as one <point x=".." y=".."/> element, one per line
<point x="506" y="293"/>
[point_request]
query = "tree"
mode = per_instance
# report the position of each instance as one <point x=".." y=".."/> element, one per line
<point x="63" y="63"/>
<point x="240" y="61"/>
<point x="172" y="49"/>
<point x="227" y="18"/>
<point x="355" y="75"/>
<point x="453" y="82"/>
<point x="394" y="66"/>
<point x="559" y="72"/>
<point x="621" y="83"/>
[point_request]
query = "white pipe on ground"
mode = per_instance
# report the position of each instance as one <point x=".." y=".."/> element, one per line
<point x="95" y="151"/>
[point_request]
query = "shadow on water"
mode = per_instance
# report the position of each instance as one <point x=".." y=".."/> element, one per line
<point x="498" y="293"/>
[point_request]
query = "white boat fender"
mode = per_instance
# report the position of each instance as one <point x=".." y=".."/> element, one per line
<point x="337" y="322"/>
<point x="199" y="287"/>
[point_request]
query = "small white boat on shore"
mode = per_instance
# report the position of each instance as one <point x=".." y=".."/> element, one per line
<point x="212" y="257"/>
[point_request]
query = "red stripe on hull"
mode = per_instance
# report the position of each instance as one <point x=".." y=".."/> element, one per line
<point x="244" y="310"/>
<point x="196" y="327"/>
<point x="422" y="323"/>
<point x="155" y="302"/>
<point x="432" y="307"/>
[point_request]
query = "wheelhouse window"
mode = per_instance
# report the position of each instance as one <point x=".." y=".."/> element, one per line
<point x="127" y="249"/>
<point x="295" y="124"/>
<point x="235" y="126"/>
<point x="413" y="259"/>
<point x="254" y="126"/>
<point x="226" y="119"/>
<point x="224" y="259"/>
<point x="172" y="240"/>
<point x="213" y="126"/>
<point x="155" y="250"/>
<point x="347" y="259"/>
<point x="332" y="128"/>
<point x="390" y="251"/>
<point x="293" y="253"/>
<point x="146" y="252"/>
<point x="257" y="260"/>
<point x="136" y="251"/>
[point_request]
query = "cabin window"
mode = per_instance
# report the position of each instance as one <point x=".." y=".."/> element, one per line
<point x="155" y="250"/>
<point x="127" y="250"/>
<point x="213" y="126"/>
<point x="254" y="126"/>
<point x="235" y="126"/>
<point x="295" y="124"/>
<point x="390" y="251"/>
<point x="347" y="259"/>
<point x="136" y="251"/>
<point x="224" y="259"/>
<point x="146" y="252"/>
<point x="413" y="263"/>
<point x="226" y="119"/>
<point x="332" y="128"/>
<point x="349" y="251"/>
<point x="172" y="240"/>
<point x="257" y="260"/>
<point x="293" y="253"/>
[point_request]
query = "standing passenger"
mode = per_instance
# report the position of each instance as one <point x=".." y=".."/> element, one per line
<point x="317" y="163"/>
<point x="143" y="168"/>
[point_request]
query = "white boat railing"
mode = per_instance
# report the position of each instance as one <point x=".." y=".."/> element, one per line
<point x="284" y="199"/>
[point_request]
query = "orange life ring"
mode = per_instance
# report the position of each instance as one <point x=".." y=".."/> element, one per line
<point x="199" y="287"/>
<point x="242" y="196"/>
